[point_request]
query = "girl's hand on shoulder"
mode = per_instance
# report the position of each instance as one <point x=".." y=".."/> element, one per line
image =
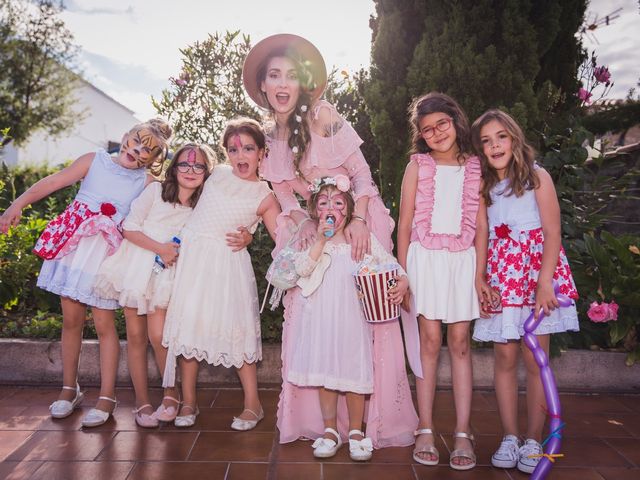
<point x="168" y="252"/>
<point x="358" y="236"/>
<point x="10" y="218"/>
<point x="545" y="299"/>
<point x="397" y="292"/>
<point x="241" y="239"/>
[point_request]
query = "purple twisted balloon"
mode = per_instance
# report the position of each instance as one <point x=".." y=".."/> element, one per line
<point x="550" y="389"/>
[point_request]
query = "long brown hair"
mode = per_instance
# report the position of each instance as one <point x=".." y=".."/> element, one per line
<point x="170" y="186"/>
<point x="299" y="132"/>
<point x="435" y="102"/>
<point x="520" y="170"/>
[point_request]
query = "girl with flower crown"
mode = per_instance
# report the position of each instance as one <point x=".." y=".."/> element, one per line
<point x="75" y="243"/>
<point x="333" y="350"/>
<point x="307" y="139"/>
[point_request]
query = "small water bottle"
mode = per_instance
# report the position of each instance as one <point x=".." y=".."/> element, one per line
<point x="330" y="220"/>
<point x="159" y="265"/>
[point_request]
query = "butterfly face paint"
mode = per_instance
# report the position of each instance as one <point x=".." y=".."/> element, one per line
<point x="141" y="148"/>
<point x="332" y="203"/>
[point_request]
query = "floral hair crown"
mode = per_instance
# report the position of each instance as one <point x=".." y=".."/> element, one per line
<point x="341" y="182"/>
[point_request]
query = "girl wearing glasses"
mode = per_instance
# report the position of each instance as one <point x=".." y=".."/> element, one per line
<point x="436" y="230"/>
<point x="213" y="313"/>
<point x="140" y="274"/>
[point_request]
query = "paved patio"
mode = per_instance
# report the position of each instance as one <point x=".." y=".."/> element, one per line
<point x="602" y="441"/>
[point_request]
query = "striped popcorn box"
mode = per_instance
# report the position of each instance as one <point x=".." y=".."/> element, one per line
<point x="372" y="291"/>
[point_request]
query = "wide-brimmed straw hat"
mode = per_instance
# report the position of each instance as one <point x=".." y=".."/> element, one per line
<point x="292" y="45"/>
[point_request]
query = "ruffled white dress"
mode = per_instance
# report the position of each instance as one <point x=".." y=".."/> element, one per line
<point x="441" y="276"/>
<point x="127" y="275"/>
<point x="213" y="314"/>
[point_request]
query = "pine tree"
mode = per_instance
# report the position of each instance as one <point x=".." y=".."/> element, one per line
<point x="519" y="55"/>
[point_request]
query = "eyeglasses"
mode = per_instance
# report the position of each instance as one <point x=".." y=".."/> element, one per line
<point x="197" y="168"/>
<point x="442" y="126"/>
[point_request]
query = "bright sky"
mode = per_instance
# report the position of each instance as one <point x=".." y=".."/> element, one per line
<point x="131" y="47"/>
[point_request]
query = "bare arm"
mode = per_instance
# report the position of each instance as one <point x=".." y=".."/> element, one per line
<point x="269" y="210"/>
<point x="549" y="208"/>
<point x="486" y="295"/>
<point x="407" y="210"/>
<point x="44" y="187"/>
<point x="405" y="220"/>
<point x="168" y="252"/>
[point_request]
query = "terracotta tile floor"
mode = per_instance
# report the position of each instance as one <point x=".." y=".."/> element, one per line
<point x="602" y="442"/>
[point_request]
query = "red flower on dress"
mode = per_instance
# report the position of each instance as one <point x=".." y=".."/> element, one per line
<point x="107" y="209"/>
<point x="502" y="231"/>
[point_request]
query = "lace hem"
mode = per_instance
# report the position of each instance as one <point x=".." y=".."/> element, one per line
<point x="425" y="199"/>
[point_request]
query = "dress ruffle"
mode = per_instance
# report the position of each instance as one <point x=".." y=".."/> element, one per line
<point x="93" y="226"/>
<point x="425" y="199"/>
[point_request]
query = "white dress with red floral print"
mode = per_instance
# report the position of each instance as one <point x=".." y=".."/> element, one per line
<point x="514" y="260"/>
<point x="74" y="244"/>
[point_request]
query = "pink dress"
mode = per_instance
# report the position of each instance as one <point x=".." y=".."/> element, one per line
<point x="391" y="417"/>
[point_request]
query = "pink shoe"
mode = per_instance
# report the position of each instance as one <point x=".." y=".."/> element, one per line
<point x="145" y="420"/>
<point x="168" y="414"/>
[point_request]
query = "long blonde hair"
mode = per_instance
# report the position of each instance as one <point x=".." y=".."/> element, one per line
<point x="520" y="170"/>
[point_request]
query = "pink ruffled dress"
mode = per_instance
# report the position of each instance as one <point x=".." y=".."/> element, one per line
<point x="75" y="243"/>
<point x="391" y="417"/>
<point x="441" y="260"/>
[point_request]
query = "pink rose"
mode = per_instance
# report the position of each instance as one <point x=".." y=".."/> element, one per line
<point x="584" y="95"/>
<point x="604" y="312"/>
<point x="342" y="183"/>
<point x="602" y="74"/>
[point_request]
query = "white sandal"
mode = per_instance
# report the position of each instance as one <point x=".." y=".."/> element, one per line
<point x="243" y="425"/>
<point x="97" y="417"/>
<point x="430" y="449"/>
<point x="463" y="452"/>
<point x="64" y="408"/>
<point x="325" y="447"/>
<point x="187" y="420"/>
<point x="360" y="450"/>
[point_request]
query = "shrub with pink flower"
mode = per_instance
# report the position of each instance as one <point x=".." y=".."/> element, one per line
<point x="603" y="312"/>
<point x="593" y="77"/>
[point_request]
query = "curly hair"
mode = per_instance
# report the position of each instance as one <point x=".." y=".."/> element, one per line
<point x="520" y="170"/>
<point x="170" y="186"/>
<point x="435" y="102"/>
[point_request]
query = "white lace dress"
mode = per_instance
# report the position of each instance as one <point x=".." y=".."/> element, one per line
<point x="213" y="314"/>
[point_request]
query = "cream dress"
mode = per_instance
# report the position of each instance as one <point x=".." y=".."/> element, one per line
<point x="213" y="313"/>
<point x="127" y="275"/>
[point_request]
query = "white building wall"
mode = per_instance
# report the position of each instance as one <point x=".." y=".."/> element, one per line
<point x="105" y="120"/>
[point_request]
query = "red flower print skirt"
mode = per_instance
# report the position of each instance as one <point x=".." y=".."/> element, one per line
<point x="59" y="230"/>
<point x="513" y="268"/>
